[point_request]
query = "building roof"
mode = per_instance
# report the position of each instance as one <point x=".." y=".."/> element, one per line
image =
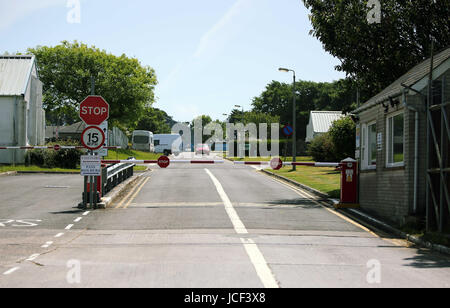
<point x="15" y="72"/>
<point x="76" y="128"/>
<point x="322" y="120"/>
<point x="410" y="78"/>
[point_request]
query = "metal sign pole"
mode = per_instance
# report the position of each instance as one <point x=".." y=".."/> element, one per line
<point x="91" y="180"/>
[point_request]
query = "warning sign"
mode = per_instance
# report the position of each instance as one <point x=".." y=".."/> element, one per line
<point x="91" y="165"/>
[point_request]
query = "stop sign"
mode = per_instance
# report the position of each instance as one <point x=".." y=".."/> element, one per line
<point x="163" y="162"/>
<point x="94" y="110"/>
<point x="276" y="164"/>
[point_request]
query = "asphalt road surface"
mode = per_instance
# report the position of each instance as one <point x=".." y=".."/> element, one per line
<point x="196" y="226"/>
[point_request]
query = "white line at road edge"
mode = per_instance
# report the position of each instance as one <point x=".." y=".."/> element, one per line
<point x="262" y="269"/>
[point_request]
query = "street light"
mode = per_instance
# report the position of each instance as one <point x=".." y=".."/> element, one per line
<point x="294" y="120"/>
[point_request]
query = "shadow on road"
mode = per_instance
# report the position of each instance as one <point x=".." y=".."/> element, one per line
<point x="428" y="259"/>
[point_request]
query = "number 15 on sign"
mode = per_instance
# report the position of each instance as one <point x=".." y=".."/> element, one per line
<point x="93" y="138"/>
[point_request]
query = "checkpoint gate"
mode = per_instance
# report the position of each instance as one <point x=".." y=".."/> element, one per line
<point x="349" y="177"/>
<point x="348" y="168"/>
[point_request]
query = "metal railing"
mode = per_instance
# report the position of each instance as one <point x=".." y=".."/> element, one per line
<point x="115" y="174"/>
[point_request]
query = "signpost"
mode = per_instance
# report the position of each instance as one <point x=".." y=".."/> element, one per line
<point x="94" y="111"/>
<point x="91" y="165"/>
<point x="93" y="138"/>
<point x="287" y="131"/>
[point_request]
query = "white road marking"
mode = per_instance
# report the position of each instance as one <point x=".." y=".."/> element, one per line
<point x="234" y="217"/>
<point x="256" y="257"/>
<point x="59" y="234"/>
<point x="86" y="213"/>
<point x="69" y="227"/>
<point x="78" y="219"/>
<point x="33" y="257"/>
<point x="46" y="245"/>
<point x="11" y="271"/>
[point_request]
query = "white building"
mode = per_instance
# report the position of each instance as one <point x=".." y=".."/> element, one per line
<point x="320" y="123"/>
<point x="22" y="119"/>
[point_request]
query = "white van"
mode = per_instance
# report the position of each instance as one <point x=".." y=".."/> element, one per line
<point x="143" y="141"/>
<point x="168" y="144"/>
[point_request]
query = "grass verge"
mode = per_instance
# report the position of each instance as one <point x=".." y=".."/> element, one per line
<point x="34" y="169"/>
<point x="326" y="180"/>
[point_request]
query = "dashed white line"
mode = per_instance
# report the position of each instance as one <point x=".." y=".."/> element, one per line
<point x="86" y="213"/>
<point x="8" y="272"/>
<point x="78" y="219"/>
<point x="33" y="257"/>
<point x="256" y="257"/>
<point x="46" y="245"/>
<point x="59" y="235"/>
<point x="69" y="227"/>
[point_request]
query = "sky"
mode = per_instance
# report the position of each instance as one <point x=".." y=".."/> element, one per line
<point x="209" y="55"/>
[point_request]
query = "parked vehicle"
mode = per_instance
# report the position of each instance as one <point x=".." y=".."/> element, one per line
<point x="168" y="144"/>
<point x="143" y="141"/>
<point x="202" y="149"/>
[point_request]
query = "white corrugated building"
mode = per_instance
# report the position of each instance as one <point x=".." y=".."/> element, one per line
<point x="320" y="123"/>
<point x="22" y="118"/>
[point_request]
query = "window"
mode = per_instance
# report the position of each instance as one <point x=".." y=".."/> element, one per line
<point x="395" y="140"/>
<point x="156" y="143"/>
<point x="372" y="138"/>
<point x="141" y="139"/>
<point x="369" y="145"/>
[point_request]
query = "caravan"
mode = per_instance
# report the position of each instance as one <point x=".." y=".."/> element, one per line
<point x="168" y="144"/>
<point x="143" y="141"/>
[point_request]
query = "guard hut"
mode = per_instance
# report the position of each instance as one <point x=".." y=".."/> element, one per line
<point x="22" y="118"/>
<point x="402" y="145"/>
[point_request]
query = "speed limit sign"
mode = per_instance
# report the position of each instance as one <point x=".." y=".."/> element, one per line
<point x="93" y="138"/>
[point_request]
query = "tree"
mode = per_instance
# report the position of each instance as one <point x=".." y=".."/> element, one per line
<point x="343" y="136"/>
<point x="156" y="121"/>
<point x="277" y="99"/>
<point x="322" y="148"/>
<point x="376" y="54"/>
<point x="66" y="71"/>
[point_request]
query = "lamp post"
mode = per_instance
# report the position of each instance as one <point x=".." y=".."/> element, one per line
<point x="294" y="120"/>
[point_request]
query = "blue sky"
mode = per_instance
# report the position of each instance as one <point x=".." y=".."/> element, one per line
<point x="209" y="55"/>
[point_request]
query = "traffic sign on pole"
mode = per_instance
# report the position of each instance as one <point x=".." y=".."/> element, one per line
<point x="93" y="138"/>
<point x="163" y="162"/>
<point x="94" y="110"/>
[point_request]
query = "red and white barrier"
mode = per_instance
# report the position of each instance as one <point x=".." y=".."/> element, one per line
<point x="263" y="163"/>
<point x="56" y="148"/>
<point x="145" y="162"/>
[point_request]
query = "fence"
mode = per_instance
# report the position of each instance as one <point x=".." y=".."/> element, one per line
<point x="117" y="138"/>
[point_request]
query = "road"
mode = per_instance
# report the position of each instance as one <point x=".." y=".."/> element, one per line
<point x="196" y="226"/>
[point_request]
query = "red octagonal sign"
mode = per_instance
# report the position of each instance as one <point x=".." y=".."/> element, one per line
<point x="94" y="110"/>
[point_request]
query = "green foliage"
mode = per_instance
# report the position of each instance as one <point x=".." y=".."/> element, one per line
<point x="336" y="145"/>
<point x="322" y="149"/>
<point x="65" y="158"/>
<point x="156" y="121"/>
<point x="343" y="135"/>
<point x="379" y="53"/>
<point x="277" y="98"/>
<point x="66" y="71"/>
